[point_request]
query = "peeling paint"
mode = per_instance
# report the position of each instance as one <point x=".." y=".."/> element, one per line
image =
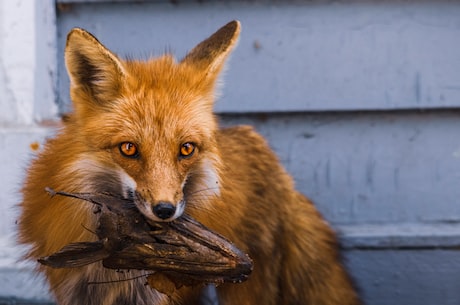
<point x="456" y="154"/>
<point x="418" y="87"/>
<point x="34" y="146"/>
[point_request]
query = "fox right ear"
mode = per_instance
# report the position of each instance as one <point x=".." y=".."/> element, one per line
<point x="210" y="54"/>
<point x="94" y="71"/>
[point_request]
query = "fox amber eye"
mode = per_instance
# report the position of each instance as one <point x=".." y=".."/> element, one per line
<point x="187" y="149"/>
<point x="128" y="149"/>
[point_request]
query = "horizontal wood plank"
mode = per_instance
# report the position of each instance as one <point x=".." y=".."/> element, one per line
<point x="370" y="167"/>
<point x="298" y="56"/>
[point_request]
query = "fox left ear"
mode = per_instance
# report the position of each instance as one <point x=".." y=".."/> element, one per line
<point x="211" y="53"/>
<point x="94" y="71"/>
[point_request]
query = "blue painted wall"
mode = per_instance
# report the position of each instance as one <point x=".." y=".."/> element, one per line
<point x="360" y="99"/>
<point x="301" y="55"/>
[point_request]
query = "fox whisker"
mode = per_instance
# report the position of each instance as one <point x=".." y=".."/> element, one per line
<point x="202" y="190"/>
<point x="121" y="280"/>
<point x="88" y="229"/>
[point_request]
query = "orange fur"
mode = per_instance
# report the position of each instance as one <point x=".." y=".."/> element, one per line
<point x="232" y="182"/>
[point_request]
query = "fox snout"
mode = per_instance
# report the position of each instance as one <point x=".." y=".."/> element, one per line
<point x="159" y="210"/>
<point x="164" y="210"/>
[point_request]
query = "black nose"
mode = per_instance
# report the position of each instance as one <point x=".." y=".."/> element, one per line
<point x="164" y="210"/>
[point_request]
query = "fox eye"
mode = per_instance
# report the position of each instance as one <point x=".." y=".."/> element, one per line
<point x="187" y="149"/>
<point x="129" y="149"/>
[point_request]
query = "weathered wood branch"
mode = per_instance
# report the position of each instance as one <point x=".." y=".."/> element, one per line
<point x="184" y="250"/>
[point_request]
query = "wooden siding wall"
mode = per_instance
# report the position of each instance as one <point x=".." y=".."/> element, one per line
<point x="360" y="100"/>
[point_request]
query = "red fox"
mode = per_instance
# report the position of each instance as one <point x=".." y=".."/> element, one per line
<point x="146" y="130"/>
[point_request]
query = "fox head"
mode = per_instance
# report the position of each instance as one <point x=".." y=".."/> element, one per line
<point x="146" y="128"/>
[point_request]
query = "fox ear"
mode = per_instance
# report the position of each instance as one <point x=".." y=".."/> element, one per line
<point x="211" y="53"/>
<point x="94" y="71"/>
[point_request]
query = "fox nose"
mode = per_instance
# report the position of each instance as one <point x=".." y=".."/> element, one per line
<point x="164" y="210"/>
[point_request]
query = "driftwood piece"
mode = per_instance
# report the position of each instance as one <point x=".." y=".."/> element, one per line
<point x="183" y="250"/>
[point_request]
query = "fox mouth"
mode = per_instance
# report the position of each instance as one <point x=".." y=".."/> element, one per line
<point x="161" y="211"/>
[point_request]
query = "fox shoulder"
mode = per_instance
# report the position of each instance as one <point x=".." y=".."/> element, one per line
<point x="243" y="132"/>
<point x="248" y="154"/>
<point x="242" y="139"/>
